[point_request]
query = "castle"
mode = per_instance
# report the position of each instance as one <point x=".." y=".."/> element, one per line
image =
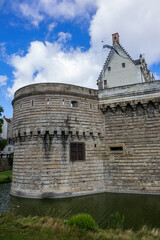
<point x="71" y="140"/>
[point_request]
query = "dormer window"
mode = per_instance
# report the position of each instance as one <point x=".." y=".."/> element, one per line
<point x="123" y="65"/>
<point x="109" y="69"/>
<point x="105" y="82"/>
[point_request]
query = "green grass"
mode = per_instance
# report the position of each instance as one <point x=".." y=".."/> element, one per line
<point x="5" y="176"/>
<point x="46" y="228"/>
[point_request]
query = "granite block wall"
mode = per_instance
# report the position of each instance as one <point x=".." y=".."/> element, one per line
<point x="132" y="138"/>
<point x="47" y="118"/>
<point x="120" y="129"/>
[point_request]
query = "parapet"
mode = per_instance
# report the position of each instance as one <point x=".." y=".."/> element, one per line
<point x="55" y="88"/>
<point x="144" y="96"/>
<point x="134" y="92"/>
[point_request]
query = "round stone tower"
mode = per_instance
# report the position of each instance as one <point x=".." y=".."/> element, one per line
<point x="58" y="134"/>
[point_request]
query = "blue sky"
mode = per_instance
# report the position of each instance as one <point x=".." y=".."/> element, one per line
<point x="60" y="40"/>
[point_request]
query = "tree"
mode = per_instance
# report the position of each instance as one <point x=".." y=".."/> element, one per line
<point x="3" y="142"/>
<point x="1" y="120"/>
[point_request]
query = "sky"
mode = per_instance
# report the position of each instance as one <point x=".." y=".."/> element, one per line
<point x="61" y="40"/>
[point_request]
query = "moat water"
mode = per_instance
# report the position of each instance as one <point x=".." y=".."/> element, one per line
<point x="138" y="209"/>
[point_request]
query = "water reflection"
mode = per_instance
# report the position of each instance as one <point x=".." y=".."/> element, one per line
<point x="4" y="197"/>
<point x="138" y="209"/>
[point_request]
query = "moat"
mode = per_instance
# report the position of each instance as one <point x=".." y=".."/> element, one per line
<point x="138" y="209"/>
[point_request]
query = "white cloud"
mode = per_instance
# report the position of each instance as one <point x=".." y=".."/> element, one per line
<point x="1" y="3"/>
<point x="46" y="62"/>
<point x="51" y="26"/>
<point x="3" y="80"/>
<point x="66" y="8"/>
<point x="35" y="10"/>
<point x="63" y="37"/>
<point x="136" y="21"/>
<point x="157" y="76"/>
<point x="31" y="12"/>
<point x="3" y="54"/>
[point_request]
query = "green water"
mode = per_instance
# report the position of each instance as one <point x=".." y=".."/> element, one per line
<point x="138" y="209"/>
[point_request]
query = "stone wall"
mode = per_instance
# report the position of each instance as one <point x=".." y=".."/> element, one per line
<point x="4" y="164"/>
<point x="132" y="136"/>
<point x="120" y="128"/>
<point x="45" y="121"/>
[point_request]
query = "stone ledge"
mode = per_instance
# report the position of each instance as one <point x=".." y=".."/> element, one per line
<point x="74" y="194"/>
<point x="130" y="92"/>
<point x="56" y="89"/>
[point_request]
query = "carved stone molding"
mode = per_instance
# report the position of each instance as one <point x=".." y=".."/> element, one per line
<point x="145" y="107"/>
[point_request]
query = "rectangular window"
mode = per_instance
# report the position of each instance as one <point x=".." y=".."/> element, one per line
<point x="109" y="69"/>
<point x="74" y="104"/>
<point x="77" y="151"/>
<point x="123" y="65"/>
<point x="32" y="103"/>
<point x="105" y="82"/>
<point x="116" y="148"/>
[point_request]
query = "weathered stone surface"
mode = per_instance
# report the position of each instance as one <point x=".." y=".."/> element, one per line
<point x="120" y="129"/>
<point x="4" y="164"/>
<point x="44" y="125"/>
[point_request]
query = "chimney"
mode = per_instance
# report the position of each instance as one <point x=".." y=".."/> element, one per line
<point x="115" y="38"/>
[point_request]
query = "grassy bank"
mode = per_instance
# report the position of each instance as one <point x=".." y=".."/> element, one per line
<point x="46" y="228"/>
<point x="6" y="177"/>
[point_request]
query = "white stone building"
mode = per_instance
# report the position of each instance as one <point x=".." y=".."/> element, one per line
<point x="120" y="69"/>
<point x="7" y="134"/>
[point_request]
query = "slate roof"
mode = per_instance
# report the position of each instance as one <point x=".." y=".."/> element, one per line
<point x="137" y="62"/>
<point x="9" y="120"/>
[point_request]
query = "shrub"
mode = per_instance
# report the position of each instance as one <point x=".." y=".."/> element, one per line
<point x="115" y="220"/>
<point x="84" y="222"/>
<point x="8" y="179"/>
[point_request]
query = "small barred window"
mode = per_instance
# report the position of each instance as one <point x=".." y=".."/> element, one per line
<point x="77" y="151"/>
